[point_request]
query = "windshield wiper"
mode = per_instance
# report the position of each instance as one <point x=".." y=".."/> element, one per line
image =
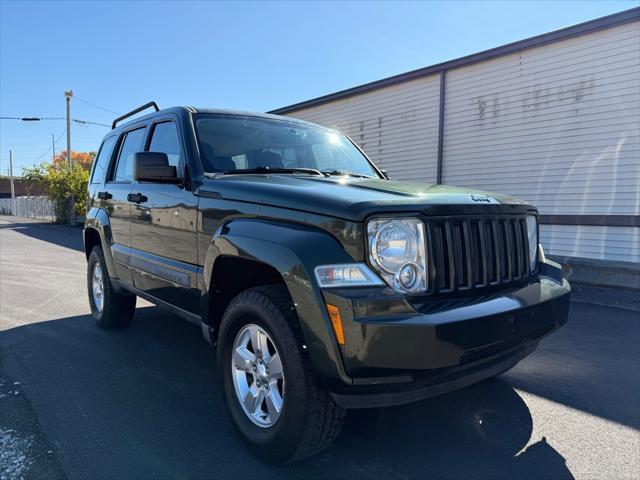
<point x="345" y="172"/>
<point x="310" y="171"/>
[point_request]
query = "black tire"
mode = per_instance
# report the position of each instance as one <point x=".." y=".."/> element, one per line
<point x="118" y="308"/>
<point x="310" y="420"/>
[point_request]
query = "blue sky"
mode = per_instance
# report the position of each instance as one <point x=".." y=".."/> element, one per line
<point x="250" y="56"/>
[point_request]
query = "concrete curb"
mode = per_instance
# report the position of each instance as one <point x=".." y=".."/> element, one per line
<point x="600" y="273"/>
<point x="606" y="297"/>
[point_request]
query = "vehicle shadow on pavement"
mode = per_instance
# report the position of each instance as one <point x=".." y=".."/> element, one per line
<point x="144" y="403"/>
<point x="62" y="235"/>
<point x="604" y="362"/>
<point x="478" y="432"/>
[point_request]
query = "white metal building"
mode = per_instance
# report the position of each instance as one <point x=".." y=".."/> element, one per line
<point x="554" y="120"/>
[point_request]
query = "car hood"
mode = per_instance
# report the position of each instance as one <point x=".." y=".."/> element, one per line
<point x="348" y="197"/>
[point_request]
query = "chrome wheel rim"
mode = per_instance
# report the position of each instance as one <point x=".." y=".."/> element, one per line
<point x="257" y="374"/>
<point x="98" y="287"/>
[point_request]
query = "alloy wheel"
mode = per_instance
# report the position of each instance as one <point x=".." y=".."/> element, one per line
<point x="258" y="378"/>
<point x="98" y="287"/>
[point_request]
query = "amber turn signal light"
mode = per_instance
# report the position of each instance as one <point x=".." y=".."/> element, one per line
<point x="336" y="322"/>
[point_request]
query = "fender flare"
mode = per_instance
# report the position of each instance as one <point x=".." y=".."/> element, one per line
<point x="293" y="250"/>
<point x="98" y="219"/>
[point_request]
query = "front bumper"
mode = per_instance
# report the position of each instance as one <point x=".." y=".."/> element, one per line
<point x="397" y="351"/>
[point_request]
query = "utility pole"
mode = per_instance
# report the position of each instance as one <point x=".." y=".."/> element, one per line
<point x="13" y="190"/>
<point x="53" y="148"/>
<point x="68" y="94"/>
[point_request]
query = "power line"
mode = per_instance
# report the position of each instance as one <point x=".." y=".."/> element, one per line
<point x="49" y="149"/>
<point x="94" y="105"/>
<point x="75" y="120"/>
<point x="37" y="119"/>
<point x="88" y="122"/>
<point x="31" y="119"/>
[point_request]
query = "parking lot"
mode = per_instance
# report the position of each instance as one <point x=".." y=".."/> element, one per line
<point x="79" y="402"/>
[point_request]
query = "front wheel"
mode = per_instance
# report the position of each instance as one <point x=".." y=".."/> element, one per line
<point x="109" y="308"/>
<point x="272" y="394"/>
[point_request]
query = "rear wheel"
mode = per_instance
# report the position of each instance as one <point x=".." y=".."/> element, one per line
<point x="108" y="308"/>
<point x="270" y="390"/>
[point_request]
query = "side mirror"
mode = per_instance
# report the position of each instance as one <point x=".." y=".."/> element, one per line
<point x="385" y="174"/>
<point x="154" y="167"/>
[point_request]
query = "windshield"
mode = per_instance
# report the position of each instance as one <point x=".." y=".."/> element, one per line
<point x="237" y="144"/>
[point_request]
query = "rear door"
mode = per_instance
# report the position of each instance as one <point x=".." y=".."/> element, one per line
<point x="163" y="230"/>
<point x="97" y="192"/>
<point x="117" y="188"/>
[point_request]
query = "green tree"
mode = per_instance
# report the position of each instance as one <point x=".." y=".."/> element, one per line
<point x="60" y="184"/>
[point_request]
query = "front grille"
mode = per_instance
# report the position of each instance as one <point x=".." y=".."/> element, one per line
<point x="475" y="252"/>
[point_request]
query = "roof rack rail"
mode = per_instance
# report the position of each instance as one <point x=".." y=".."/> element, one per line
<point x="133" y="112"/>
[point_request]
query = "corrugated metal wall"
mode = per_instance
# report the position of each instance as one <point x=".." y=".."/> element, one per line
<point x="397" y="126"/>
<point x="556" y="125"/>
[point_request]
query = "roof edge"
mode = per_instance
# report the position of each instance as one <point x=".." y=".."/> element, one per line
<point x="601" y="23"/>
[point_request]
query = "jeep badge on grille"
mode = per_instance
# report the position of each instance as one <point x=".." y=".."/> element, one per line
<point x="476" y="197"/>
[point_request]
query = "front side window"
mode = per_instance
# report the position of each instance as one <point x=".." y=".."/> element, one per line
<point x="235" y="143"/>
<point x="102" y="160"/>
<point x="165" y="139"/>
<point x="132" y="144"/>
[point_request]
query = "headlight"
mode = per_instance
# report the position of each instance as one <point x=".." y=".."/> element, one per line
<point x="397" y="252"/>
<point x="532" y="233"/>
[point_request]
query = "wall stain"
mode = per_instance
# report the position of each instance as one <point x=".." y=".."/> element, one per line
<point x="544" y="97"/>
<point x="370" y="133"/>
<point x="489" y="106"/>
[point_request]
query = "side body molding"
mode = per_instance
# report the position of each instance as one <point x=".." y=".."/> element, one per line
<point x="294" y="250"/>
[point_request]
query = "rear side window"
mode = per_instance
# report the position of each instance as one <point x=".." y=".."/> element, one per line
<point x="102" y="160"/>
<point x="165" y="139"/>
<point x="131" y="144"/>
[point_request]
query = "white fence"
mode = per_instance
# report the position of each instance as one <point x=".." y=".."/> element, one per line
<point x="30" y="207"/>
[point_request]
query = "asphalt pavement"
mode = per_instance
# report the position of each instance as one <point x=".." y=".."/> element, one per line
<point x="142" y="403"/>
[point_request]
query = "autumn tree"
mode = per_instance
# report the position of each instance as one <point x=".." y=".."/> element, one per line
<point x="84" y="159"/>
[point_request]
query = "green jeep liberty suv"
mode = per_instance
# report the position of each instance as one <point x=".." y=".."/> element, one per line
<point x="323" y="284"/>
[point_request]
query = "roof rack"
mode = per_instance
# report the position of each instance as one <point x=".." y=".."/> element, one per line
<point x="133" y="112"/>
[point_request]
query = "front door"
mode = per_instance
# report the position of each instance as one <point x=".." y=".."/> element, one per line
<point x="116" y="202"/>
<point x="163" y="228"/>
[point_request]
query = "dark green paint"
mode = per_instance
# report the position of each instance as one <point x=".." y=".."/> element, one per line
<point x="293" y="223"/>
<point x="349" y="198"/>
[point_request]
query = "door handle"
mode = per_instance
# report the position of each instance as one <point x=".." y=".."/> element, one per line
<point x="137" y="198"/>
<point x="104" y="195"/>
